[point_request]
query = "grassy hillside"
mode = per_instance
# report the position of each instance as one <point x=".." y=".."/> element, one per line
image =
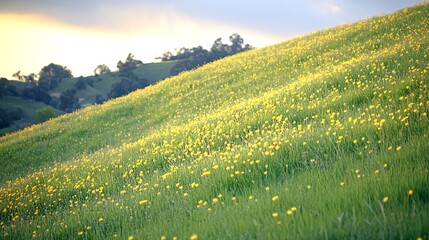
<point x="29" y="108"/>
<point x="153" y="72"/>
<point x="322" y="136"/>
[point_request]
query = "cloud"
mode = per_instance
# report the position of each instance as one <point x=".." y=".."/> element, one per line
<point x="81" y="49"/>
<point x="148" y="28"/>
<point x="281" y="18"/>
<point x="325" y="8"/>
<point x="275" y="18"/>
<point x="335" y="8"/>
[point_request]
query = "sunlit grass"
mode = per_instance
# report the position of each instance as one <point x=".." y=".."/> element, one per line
<point x="323" y="136"/>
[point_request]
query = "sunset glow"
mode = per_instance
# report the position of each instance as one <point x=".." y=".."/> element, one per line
<point x="83" y="34"/>
<point x="33" y="42"/>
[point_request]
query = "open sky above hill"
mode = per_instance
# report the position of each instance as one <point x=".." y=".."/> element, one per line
<point x="82" y="34"/>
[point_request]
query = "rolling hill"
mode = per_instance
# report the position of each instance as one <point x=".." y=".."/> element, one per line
<point x="29" y="108"/>
<point x="101" y="86"/>
<point x="152" y="72"/>
<point x="323" y="136"/>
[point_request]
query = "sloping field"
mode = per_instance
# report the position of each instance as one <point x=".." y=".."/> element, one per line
<point x="320" y="137"/>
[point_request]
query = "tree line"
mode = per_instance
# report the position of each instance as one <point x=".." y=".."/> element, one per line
<point x="190" y="58"/>
<point x="37" y="86"/>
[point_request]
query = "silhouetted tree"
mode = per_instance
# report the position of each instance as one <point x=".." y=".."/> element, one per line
<point x="219" y="49"/>
<point x="237" y="43"/>
<point x="33" y="89"/>
<point x="126" y="68"/>
<point x="50" y="76"/>
<point x="166" y="56"/>
<point x="28" y="79"/>
<point x="125" y="86"/>
<point x="120" y="88"/>
<point x="185" y="53"/>
<point x="189" y="58"/>
<point x="101" y="69"/>
<point x="36" y="93"/>
<point x="18" y="75"/>
<point x="68" y="101"/>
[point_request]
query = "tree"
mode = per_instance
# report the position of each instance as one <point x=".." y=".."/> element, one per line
<point x="36" y="93"/>
<point x="50" y="76"/>
<point x="68" y="101"/>
<point x="28" y="79"/>
<point x="125" y="86"/>
<point x="219" y="49"/>
<point x="44" y="114"/>
<point x="80" y="84"/>
<point x="99" y="99"/>
<point x="237" y="43"/>
<point x="190" y="58"/>
<point x="18" y="75"/>
<point x="11" y="89"/>
<point x="125" y="68"/>
<point x="120" y="88"/>
<point x="8" y="117"/>
<point x="3" y="87"/>
<point x="166" y="56"/>
<point x="101" y="69"/>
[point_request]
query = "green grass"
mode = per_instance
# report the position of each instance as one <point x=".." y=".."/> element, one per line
<point x="153" y="72"/>
<point x="29" y="107"/>
<point x="320" y="137"/>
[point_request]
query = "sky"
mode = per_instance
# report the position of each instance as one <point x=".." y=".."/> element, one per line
<point x="82" y="34"/>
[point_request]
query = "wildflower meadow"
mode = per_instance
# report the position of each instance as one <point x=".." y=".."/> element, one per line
<point x="324" y="136"/>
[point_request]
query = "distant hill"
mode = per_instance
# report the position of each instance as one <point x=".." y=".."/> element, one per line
<point x="29" y="107"/>
<point x="324" y="136"/>
<point x="101" y="85"/>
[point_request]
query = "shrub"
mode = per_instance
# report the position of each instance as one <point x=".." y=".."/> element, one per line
<point x="44" y="114"/>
